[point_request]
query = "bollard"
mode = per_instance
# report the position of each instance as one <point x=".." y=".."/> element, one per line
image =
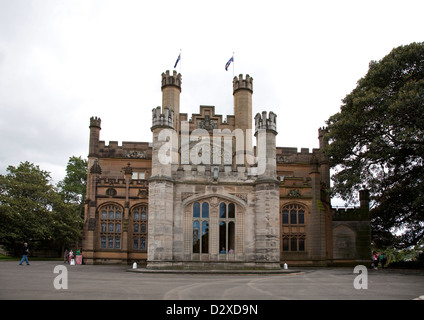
<point x="285" y="266"/>
<point x="135" y="265"/>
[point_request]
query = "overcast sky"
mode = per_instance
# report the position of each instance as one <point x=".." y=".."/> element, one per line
<point x="62" y="62"/>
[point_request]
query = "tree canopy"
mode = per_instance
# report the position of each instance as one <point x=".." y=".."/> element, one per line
<point x="32" y="209"/>
<point x="376" y="141"/>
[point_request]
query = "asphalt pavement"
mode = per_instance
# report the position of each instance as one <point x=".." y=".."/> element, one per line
<point x="53" y="280"/>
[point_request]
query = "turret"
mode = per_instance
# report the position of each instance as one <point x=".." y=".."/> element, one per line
<point x="161" y="186"/>
<point x="265" y="133"/>
<point x="94" y="136"/>
<point x="242" y="92"/>
<point x="364" y="199"/>
<point x="323" y="140"/>
<point x="163" y="119"/>
<point x="171" y="89"/>
<point x="164" y="137"/>
<point x="267" y="219"/>
<point x="325" y="168"/>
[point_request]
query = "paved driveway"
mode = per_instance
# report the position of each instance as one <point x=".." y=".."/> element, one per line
<point x="38" y="281"/>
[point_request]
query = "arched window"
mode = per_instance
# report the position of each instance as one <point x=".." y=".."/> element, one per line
<point x="293" y="228"/>
<point x="110" y="227"/>
<point x="200" y="227"/>
<point x="293" y="214"/>
<point x="227" y="227"/>
<point x="139" y="227"/>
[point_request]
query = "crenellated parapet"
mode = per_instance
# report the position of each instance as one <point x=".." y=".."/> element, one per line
<point x="171" y="80"/>
<point x="323" y="140"/>
<point x="240" y="83"/>
<point x="95" y="122"/>
<point x="162" y="120"/>
<point x="322" y="131"/>
<point x="269" y="123"/>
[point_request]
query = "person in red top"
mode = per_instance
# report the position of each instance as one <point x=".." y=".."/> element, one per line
<point x="375" y="259"/>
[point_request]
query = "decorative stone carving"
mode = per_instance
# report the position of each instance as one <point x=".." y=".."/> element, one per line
<point x="143" y="193"/>
<point x="294" y="193"/>
<point x="207" y="123"/>
<point x="128" y="170"/>
<point x="185" y="195"/>
<point x="242" y="196"/>
<point x="214" y="202"/>
<point x="135" y="154"/>
<point x="111" y="192"/>
<point x="91" y="224"/>
<point x="281" y="159"/>
<point x="95" y="168"/>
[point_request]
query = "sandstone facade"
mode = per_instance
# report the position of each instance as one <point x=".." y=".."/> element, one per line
<point x="200" y="196"/>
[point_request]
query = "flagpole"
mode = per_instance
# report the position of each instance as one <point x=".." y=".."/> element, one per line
<point x="180" y="61"/>
<point x="233" y="64"/>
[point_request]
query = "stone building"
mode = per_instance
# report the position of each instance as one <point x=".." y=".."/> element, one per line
<point x="203" y="195"/>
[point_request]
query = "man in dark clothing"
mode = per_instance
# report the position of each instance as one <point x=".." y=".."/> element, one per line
<point x="25" y="253"/>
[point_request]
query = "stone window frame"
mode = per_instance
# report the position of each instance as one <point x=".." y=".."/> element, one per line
<point x="293" y="240"/>
<point x="293" y="243"/>
<point x="138" y="226"/>
<point x="111" y="225"/>
<point x="202" y="220"/>
<point x="297" y="216"/>
<point x="230" y="236"/>
<point x="214" y="200"/>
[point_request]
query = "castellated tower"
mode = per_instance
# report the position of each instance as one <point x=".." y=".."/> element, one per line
<point x="187" y="199"/>
<point x="242" y="92"/>
<point x="267" y="219"/>
<point x="171" y="89"/>
<point x="94" y="136"/>
<point x="161" y="191"/>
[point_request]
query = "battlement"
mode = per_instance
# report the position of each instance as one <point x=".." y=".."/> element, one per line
<point x="350" y="214"/>
<point x="264" y="122"/>
<point x="322" y="131"/>
<point x="241" y="83"/>
<point x="292" y="155"/>
<point x="131" y="150"/>
<point x="171" y="80"/>
<point x="95" y="122"/>
<point x="165" y="119"/>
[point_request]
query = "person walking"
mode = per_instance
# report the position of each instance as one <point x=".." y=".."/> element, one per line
<point x="25" y="252"/>
<point x="375" y="260"/>
<point x="71" y="255"/>
<point x="383" y="260"/>
<point x="66" y="256"/>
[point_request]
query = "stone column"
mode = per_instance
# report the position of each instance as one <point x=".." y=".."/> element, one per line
<point x="267" y="222"/>
<point x="161" y="192"/>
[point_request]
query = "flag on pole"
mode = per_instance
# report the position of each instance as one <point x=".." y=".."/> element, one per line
<point x="178" y="59"/>
<point x="228" y="63"/>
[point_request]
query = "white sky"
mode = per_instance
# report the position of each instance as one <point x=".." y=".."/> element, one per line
<point x="62" y="62"/>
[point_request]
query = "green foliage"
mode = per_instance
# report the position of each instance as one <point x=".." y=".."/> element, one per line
<point x="26" y="202"/>
<point x="376" y="141"/>
<point x="73" y="186"/>
<point x="404" y="258"/>
<point x="32" y="209"/>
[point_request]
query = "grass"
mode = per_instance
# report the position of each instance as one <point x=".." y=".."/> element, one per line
<point x="10" y="258"/>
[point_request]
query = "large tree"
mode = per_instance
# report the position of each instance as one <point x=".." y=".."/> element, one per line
<point x="72" y="190"/>
<point x="33" y="210"/>
<point x="376" y="141"/>
<point x="73" y="186"/>
<point x="26" y="201"/>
